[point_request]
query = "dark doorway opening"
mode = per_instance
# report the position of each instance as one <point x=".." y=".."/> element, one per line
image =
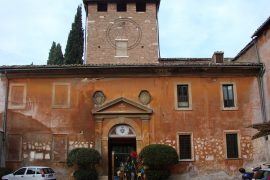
<point x="119" y="150"/>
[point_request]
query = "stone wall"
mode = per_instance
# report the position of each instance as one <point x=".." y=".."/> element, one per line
<point x="99" y="50"/>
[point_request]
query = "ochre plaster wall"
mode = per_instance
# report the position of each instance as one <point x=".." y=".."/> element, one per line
<point x="39" y="125"/>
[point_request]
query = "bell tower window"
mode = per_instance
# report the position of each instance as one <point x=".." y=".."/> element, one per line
<point x="121" y="7"/>
<point x="140" y="7"/>
<point x="102" y="7"/>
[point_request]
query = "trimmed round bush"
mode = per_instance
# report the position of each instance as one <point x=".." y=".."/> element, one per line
<point x="159" y="156"/>
<point x="157" y="174"/>
<point x="85" y="160"/>
<point x="83" y="157"/>
<point x="4" y="171"/>
<point x="83" y="174"/>
<point x="88" y="157"/>
<point x="72" y="157"/>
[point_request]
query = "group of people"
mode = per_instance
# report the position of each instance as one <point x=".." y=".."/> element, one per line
<point x="132" y="169"/>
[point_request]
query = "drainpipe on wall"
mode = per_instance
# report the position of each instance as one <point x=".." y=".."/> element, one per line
<point x="261" y="83"/>
<point x="5" y="123"/>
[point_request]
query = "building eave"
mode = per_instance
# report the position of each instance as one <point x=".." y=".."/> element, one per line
<point x="262" y="28"/>
<point x="110" y="70"/>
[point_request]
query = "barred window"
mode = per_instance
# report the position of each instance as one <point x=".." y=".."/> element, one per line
<point x="185" y="146"/>
<point x="232" y="145"/>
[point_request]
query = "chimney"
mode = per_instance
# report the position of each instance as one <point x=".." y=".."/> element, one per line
<point x="218" y="57"/>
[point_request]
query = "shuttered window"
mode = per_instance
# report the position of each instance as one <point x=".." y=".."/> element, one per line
<point x="232" y="145"/>
<point x="185" y="146"/>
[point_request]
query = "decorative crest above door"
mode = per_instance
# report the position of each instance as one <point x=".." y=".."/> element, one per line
<point x="122" y="107"/>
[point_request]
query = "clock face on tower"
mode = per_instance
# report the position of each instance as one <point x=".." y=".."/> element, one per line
<point x="124" y="29"/>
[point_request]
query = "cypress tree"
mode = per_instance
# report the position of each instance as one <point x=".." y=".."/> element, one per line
<point x="52" y="54"/>
<point x="74" y="47"/>
<point x="59" y="58"/>
<point x="55" y="55"/>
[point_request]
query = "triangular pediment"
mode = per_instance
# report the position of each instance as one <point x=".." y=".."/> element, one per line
<point x="122" y="106"/>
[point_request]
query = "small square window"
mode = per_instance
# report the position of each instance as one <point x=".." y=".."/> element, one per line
<point x="121" y="48"/>
<point x="228" y="95"/>
<point x="232" y="145"/>
<point x="140" y="7"/>
<point x="182" y="96"/>
<point x="121" y="7"/>
<point x="102" y="7"/>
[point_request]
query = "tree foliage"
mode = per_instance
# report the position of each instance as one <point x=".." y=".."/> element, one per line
<point x="74" y="47"/>
<point x="85" y="160"/>
<point x="55" y="55"/>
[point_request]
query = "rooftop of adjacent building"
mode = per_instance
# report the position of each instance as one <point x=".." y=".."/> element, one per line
<point x="265" y="25"/>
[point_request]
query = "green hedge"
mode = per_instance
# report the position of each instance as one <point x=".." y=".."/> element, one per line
<point x="83" y="174"/>
<point x="4" y="171"/>
<point x="157" y="174"/>
<point x="85" y="160"/>
<point x="158" y="158"/>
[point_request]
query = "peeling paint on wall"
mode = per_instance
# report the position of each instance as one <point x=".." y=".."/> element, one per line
<point x="78" y="144"/>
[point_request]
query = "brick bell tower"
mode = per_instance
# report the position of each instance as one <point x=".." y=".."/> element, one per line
<point x="122" y="31"/>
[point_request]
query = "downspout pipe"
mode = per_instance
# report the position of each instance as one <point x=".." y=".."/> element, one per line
<point x="6" y="107"/>
<point x="5" y="122"/>
<point x="261" y="83"/>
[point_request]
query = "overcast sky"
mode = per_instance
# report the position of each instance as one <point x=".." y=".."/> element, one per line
<point x="188" y="28"/>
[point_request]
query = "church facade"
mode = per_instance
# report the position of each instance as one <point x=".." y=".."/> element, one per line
<point x="126" y="97"/>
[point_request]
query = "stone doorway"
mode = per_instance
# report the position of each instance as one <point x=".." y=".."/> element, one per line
<point x="120" y="118"/>
<point x="119" y="150"/>
<point x="121" y="142"/>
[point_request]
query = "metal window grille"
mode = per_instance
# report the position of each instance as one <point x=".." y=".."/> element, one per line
<point x="185" y="146"/>
<point x="232" y="145"/>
